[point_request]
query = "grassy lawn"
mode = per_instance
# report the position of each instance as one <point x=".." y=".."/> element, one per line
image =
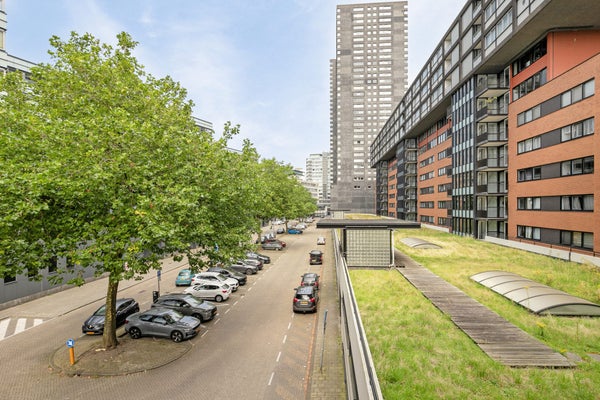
<point x="420" y="354"/>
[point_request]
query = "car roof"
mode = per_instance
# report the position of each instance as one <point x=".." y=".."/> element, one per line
<point x="125" y="300"/>
<point x="310" y="275"/>
<point x="305" y="289"/>
<point x="175" y="296"/>
<point x="316" y="252"/>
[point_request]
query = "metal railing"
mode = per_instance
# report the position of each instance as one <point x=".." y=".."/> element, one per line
<point x="361" y="377"/>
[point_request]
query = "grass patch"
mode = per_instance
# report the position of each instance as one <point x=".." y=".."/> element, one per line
<point x="419" y="353"/>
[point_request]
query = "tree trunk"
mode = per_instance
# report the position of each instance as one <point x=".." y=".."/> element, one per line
<point x="110" y="319"/>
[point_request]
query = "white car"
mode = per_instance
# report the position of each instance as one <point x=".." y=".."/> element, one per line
<point x="215" y="277"/>
<point x="301" y="226"/>
<point x="320" y="240"/>
<point x="212" y="291"/>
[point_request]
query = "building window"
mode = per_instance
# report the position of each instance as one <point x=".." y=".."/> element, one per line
<point x="529" y="203"/>
<point x="530" y="144"/>
<point x="530" y="174"/>
<point x="584" y="240"/>
<point x="9" y="278"/>
<point x="577" y="167"/>
<point x="577" y="130"/>
<point x="528" y="232"/>
<point x="531" y="84"/>
<point x="577" y="203"/>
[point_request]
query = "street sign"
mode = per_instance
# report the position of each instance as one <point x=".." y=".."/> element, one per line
<point x="158" y="274"/>
<point x="70" y="343"/>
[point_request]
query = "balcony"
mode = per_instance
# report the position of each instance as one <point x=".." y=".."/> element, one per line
<point x="491" y="213"/>
<point x="491" y="138"/>
<point x="491" y="113"/>
<point x="490" y="86"/>
<point x="491" y="188"/>
<point x="492" y="164"/>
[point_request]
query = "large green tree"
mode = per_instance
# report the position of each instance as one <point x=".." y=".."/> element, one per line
<point x="99" y="164"/>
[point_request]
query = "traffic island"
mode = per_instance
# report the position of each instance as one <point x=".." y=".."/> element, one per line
<point x="129" y="357"/>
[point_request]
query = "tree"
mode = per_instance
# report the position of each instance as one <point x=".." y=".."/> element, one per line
<point x="97" y="159"/>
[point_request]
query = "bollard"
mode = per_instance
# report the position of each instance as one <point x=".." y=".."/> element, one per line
<point x="71" y="346"/>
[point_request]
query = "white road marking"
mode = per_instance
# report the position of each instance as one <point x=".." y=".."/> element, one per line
<point x="278" y="356"/>
<point x="3" y="327"/>
<point x="284" y="338"/>
<point x="20" y="325"/>
<point x="271" y="378"/>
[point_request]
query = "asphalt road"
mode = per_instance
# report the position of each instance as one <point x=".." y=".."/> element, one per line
<point x="256" y="348"/>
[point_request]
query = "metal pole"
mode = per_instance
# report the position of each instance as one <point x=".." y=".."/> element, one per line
<point x="323" y="343"/>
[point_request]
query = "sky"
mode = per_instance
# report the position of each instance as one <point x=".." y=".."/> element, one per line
<point x="262" y="64"/>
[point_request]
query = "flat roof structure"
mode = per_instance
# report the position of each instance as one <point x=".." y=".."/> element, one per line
<point x="367" y="243"/>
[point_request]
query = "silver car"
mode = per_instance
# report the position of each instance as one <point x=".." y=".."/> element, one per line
<point x="162" y="322"/>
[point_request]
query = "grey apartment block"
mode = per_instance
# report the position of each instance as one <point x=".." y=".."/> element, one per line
<point x="369" y="76"/>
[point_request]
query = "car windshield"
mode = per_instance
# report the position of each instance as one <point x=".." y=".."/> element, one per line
<point x="184" y="274"/>
<point x="101" y="311"/>
<point x="172" y="315"/>
<point x="225" y="286"/>
<point x="194" y="301"/>
<point x="221" y="277"/>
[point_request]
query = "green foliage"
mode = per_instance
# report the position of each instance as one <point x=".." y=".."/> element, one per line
<point x="102" y="164"/>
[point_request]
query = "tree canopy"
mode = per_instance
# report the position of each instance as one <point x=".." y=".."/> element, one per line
<point x="102" y="164"/>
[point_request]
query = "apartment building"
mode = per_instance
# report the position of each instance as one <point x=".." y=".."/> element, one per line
<point x="317" y="178"/>
<point x="368" y="78"/>
<point x="496" y="135"/>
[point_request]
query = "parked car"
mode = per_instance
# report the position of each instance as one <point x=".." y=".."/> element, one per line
<point x="238" y="276"/>
<point x="94" y="325"/>
<point x="306" y="299"/>
<point x="215" y="277"/>
<point x="320" y="240"/>
<point x="294" y="231"/>
<point x="276" y="240"/>
<point x="301" y="226"/>
<point x="310" y="279"/>
<point x="243" y="268"/>
<point x="315" y="257"/>
<point x="184" y="278"/>
<point x="272" y="246"/>
<point x="213" y="291"/>
<point x="252" y="261"/>
<point x="265" y="259"/>
<point x="162" y="322"/>
<point x="187" y="304"/>
<point x="280" y="230"/>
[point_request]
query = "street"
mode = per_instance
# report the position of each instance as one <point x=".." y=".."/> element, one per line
<point x="256" y="347"/>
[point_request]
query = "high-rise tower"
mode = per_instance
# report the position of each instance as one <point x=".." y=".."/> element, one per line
<point x="369" y="76"/>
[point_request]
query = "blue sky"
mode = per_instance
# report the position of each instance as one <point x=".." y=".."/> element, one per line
<point x="262" y="64"/>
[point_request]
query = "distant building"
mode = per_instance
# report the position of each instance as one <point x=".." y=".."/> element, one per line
<point x="318" y="178"/>
<point x="369" y="76"/>
<point x="496" y="136"/>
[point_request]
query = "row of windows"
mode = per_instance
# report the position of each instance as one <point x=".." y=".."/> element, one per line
<point x="583" y="240"/>
<point x="531" y="84"/>
<point x="582" y="202"/>
<point x="563" y="100"/>
<point x="577" y="166"/>
<point x="569" y="132"/>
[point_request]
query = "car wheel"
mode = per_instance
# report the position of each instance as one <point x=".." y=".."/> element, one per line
<point x="218" y="298"/>
<point x="135" y="333"/>
<point x="176" y="336"/>
<point x="249" y="271"/>
<point x="198" y="316"/>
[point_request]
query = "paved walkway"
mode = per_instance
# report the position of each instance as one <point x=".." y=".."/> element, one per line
<point x="498" y="338"/>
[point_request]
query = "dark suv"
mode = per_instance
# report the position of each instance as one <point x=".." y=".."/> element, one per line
<point x="306" y="299"/>
<point x="187" y="304"/>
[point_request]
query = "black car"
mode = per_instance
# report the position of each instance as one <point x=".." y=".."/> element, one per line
<point x="240" y="277"/>
<point x="94" y="325"/>
<point x="187" y="304"/>
<point x="315" y="257"/>
<point x="265" y="259"/>
<point x="305" y="299"/>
